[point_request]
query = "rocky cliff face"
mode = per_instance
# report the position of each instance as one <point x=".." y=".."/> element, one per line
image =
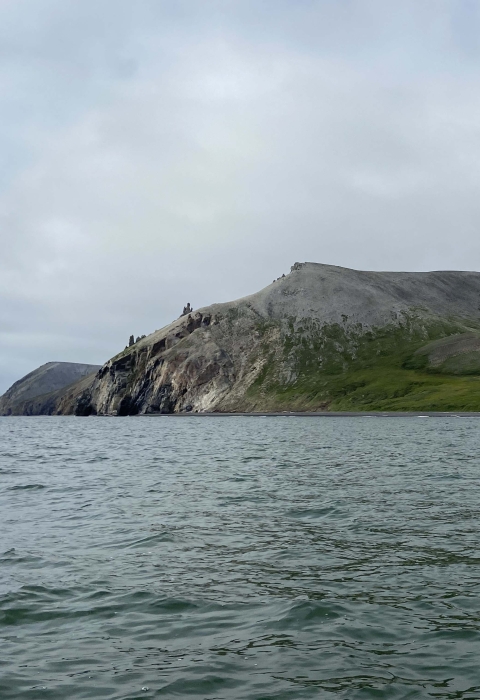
<point x="319" y="337"/>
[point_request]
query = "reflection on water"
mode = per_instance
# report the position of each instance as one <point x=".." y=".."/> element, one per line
<point x="239" y="558"/>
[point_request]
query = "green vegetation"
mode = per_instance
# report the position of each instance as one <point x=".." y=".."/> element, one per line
<point x="467" y="364"/>
<point x="345" y="369"/>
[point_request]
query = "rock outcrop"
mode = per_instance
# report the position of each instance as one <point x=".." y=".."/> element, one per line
<point x="187" y="310"/>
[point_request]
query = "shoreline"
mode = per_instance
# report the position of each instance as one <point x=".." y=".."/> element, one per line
<point x="265" y="414"/>
<point x="321" y="414"/>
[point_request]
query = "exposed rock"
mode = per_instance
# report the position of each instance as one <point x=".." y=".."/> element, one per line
<point x="186" y="310"/>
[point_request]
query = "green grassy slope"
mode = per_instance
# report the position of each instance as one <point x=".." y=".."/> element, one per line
<point x="343" y="369"/>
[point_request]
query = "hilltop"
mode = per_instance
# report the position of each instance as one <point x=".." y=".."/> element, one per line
<point x="34" y="392"/>
<point x="320" y="338"/>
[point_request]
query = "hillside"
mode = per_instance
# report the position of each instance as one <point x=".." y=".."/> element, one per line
<point x="36" y="392"/>
<point x="320" y="338"/>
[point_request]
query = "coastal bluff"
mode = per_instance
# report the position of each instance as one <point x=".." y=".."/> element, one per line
<point x="317" y="339"/>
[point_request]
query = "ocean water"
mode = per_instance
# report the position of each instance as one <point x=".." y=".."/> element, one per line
<point x="239" y="558"/>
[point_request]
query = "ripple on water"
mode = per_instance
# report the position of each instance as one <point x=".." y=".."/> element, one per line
<point x="27" y="487"/>
<point x="239" y="559"/>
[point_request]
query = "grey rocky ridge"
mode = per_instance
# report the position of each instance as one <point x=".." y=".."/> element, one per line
<point x="39" y="390"/>
<point x="320" y="338"/>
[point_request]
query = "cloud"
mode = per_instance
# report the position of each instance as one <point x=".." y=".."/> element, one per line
<point x="161" y="152"/>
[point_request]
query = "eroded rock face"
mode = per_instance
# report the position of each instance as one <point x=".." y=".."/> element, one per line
<point x="216" y="359"/>
<point x="182" y="367"/>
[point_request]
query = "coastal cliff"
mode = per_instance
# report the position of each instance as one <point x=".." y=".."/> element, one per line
<point x="319" y="338"/>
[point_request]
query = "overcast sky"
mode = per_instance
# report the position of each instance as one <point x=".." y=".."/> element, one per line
<point x="155" y="152"/>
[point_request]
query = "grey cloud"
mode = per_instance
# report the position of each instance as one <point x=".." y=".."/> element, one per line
<point x="162" y="152"/>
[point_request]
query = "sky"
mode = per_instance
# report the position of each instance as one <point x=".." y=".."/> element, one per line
<point x="155" y="152"/>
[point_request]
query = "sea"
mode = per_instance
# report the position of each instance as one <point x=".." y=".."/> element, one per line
<point x="244" y="558"/>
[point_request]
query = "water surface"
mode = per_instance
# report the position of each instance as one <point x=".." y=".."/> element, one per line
<point x="239" y="558"/>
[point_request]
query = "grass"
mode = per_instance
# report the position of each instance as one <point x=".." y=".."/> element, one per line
<point x="467" y="363"/>
<point x="349" y="370"/>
